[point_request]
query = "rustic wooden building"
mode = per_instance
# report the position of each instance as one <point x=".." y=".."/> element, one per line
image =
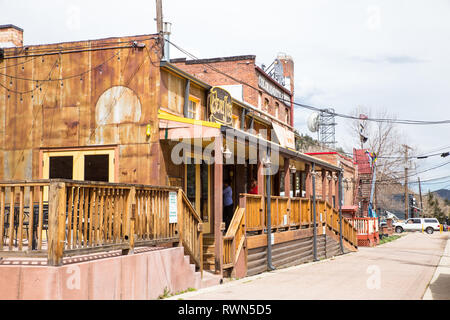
<point x="113" y="111"/>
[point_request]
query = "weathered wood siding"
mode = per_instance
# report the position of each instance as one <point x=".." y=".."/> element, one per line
<point x="59" y="114"/>
<point x="292" y="253"/>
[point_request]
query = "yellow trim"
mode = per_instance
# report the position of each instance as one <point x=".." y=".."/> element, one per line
<point x="78" y="163"/>
<point x="163" y="115"/>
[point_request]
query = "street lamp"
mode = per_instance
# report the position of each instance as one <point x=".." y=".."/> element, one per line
<point x="292" y="168"/>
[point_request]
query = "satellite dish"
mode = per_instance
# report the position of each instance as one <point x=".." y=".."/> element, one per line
<point x="313" y="122"/>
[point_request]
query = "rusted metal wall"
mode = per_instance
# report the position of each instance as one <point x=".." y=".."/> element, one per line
<point x="85" y="98"/>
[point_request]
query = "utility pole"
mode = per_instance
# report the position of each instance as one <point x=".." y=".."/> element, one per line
<point x="406" y="183"/>
<point x="164" y="30"/>
<point x="420" y="194"/>
<point x="159" y="17"/>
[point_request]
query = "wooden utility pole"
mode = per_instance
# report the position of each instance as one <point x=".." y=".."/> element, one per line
<point x="406" y="183"/>
<point x="420" y="194"/>
<point x="159" y="16"/>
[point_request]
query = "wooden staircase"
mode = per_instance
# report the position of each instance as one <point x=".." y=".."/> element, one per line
<point x="209" y="252"/>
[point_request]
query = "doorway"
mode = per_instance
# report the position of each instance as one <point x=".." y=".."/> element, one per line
<point x="198" y="190"/>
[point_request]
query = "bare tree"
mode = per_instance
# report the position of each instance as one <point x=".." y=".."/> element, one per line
<point x="386" y="141"/>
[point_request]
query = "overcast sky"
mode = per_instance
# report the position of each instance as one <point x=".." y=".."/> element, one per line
<point x="391" y="55"/>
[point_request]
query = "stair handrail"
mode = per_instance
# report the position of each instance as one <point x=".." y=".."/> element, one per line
<point x="192" y="242"/>
<point x="235" y="236"/>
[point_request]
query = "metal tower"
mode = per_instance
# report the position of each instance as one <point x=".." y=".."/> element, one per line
<point x="327" y="131"/>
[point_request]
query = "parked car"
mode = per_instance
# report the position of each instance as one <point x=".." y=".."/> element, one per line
<point x="429" y="225"/>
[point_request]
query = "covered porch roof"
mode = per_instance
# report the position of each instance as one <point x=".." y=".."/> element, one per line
<point x="288" y="153"/>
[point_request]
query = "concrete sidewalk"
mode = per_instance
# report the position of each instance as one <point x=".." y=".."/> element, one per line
<point x="439" y="288"/>
<point x="398" y="270"/>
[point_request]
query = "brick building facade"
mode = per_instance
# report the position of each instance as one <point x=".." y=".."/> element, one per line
<point x="10" y="36"/>
<point x="232" y="72"/>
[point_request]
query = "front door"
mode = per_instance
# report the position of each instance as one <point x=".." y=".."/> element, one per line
<point x="197" y="188"/>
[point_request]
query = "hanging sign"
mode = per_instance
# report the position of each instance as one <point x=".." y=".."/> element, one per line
<point x="220" y="106"/>
<point x="173" y="207"/>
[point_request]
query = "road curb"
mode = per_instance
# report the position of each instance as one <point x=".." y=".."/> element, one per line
<point x="442" y="268"/>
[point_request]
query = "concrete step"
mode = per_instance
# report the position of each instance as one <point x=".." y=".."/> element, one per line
<point x="209" y="249"/>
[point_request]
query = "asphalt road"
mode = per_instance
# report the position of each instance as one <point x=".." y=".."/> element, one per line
<point x="398" y="270"/>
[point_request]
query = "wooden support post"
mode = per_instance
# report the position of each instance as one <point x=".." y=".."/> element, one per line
<point x="218" y="205"/>
<point x="287" y="178"/>
<point x="261" y="191"/>
<point x="336" y="192"/>
<point x="308" y="181"/>
<point x="324" y="184"/>
<point x="56" y="223"/>
<point x="330" y="190"/>
<point x="180" y="218"/>
<point x="130" y="216"/>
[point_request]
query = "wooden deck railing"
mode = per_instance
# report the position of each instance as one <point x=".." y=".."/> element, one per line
<point x="365" y="226"/>
<point x="233" y="241"/>
<point x="254" y="208"/>
<point x="287" y="213"/>
<point x="23" y="217"/>
<point x="349" y="233"/>
<point x="86" y="217"/>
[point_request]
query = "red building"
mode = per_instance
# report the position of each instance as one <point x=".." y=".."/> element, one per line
<point x="364" y="182"/>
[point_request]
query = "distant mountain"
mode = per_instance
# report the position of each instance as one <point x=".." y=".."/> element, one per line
<point x="443" y="193"/>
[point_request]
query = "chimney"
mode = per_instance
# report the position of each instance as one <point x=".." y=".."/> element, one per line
<point x="10" y="36"/>
<point x="288" y="67"/>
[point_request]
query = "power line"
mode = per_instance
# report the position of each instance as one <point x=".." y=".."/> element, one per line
<point x="395" y="179"/>
<point x="324" y="110"/>
<point x="443" y="155"/>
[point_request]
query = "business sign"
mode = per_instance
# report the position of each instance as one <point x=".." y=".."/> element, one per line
<point x="271" y="89"/>
<point x="285" y="136"/>
<point x="173" y="207"/>
<point x="220" y="106"/>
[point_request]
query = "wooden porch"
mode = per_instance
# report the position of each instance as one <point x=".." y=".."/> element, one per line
<point x="54" y="219"/>
<point x="292" y="219"/>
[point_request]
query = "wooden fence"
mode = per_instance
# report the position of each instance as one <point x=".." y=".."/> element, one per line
<point x="86" y="217"/>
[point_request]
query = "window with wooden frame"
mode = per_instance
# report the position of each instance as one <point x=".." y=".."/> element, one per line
<point x="266" y="104"/>
<point x="88" y="165"/>
<point x="193" y="111"/>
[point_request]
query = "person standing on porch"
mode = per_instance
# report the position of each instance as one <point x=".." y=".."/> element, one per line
<point x="254" y="187"/>
<point x="227" y="204"/>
